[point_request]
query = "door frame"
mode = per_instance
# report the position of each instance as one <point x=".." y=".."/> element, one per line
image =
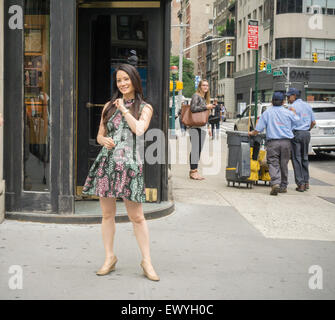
<point x="157" y="90"/>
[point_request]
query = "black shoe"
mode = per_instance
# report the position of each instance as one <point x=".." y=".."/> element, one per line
<point x="301" y="188"/>
<point x="282" y="190"/>
<point x="274" y="190"/>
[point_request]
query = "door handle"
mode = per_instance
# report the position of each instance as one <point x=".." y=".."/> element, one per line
<point x="94" y="105"/>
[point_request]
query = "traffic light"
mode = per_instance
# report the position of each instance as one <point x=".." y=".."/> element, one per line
<point x="315" y="57"/>
<point x="262" y="65"/>
<point x="228" y="49"/>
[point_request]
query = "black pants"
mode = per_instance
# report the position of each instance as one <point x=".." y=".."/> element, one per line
<point x="300" y="144"/>
<point x="197" y="137"/>
<point x="215" y="125"/>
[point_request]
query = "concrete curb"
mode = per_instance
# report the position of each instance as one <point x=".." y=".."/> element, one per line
<point x="84" y="219"/>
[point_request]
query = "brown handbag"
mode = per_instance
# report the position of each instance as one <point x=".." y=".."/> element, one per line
<point x="193" y="119"/>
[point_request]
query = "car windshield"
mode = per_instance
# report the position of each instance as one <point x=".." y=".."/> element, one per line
<point x="322" y="113"/>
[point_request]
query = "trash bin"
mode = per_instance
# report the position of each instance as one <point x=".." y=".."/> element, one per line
<point x="238" y="168"/>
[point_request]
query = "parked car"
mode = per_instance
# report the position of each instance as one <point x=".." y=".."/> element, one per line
<point x="323" y="134"/>
<point x="242" y="122"/>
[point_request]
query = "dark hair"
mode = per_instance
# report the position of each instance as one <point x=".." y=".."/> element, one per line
<point x="277" y="102"/>
<point x="136" y="82"/>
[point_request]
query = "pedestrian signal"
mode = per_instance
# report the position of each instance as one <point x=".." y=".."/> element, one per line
<point x="262" y="65"/>
<point x="228" y="49"/>
<point x="315" y="57"/>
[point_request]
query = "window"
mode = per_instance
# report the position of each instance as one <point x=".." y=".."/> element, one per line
<point x="260" y="14"/>
<point x="289" y="6"/>
<point x="254" y="14"/>
<point x="230" y="69"/>
<point x="288" y="48"/>
<point x="319" y="7"/>
<point x="266" y="50"/>
<point x="36" y="95"/>
<point x="268" y="10"/>
<point x="323" y="47"/>
<point x="244" y="26"/>
<point x="248" y="60"/>
<point x="240" y="28"/>
<point x="222" y="71"/>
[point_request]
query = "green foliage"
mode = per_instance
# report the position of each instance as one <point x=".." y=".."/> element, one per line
<point x="188" y="75"/>
<point x="220" y="30"/>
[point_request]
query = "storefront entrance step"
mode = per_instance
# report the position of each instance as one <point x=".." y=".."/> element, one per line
<point x="89" y="212"/>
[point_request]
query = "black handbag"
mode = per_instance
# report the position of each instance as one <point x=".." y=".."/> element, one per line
<point x="213" y="119"/>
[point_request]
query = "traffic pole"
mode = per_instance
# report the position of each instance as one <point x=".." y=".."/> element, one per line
<point x="256" y="87"/>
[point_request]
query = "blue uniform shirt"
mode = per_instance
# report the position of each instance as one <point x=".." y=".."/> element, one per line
<point x="278" y="122"/>
<point x="305" y="113"/>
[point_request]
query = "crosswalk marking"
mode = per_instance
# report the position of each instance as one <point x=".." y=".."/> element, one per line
<point x="226" y="126"/>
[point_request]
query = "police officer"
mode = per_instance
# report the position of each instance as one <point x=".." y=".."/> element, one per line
<point x="278" y="122"/>
<point x="301" y="139"/>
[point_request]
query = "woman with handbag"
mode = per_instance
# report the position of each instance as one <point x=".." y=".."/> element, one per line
<point x="118" y="170"/>
<point x="200" y="102"/>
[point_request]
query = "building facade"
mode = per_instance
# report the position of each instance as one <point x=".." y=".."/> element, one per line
<point x="2" y="182"/>
<point x="199" y="16"/>
<point x="175" y="31"/>
<point x="54" y="98"/>
<point x="224" y="25"/>
<point x="289" y="32"/>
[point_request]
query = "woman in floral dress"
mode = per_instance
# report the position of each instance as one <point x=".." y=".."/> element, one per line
<point x="118" y="170"/>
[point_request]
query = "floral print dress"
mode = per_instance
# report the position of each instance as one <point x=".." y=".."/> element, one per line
<point x="118" y="173"/>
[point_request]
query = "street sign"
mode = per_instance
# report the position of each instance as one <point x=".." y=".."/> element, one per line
<point x="332" y="58"/>
<point x="253" y="34"/>
<point x="268" y="68"/>
<point x="277" y="73"/>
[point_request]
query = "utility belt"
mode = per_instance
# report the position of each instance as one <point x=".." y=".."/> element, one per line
<point x="296" y="131"/>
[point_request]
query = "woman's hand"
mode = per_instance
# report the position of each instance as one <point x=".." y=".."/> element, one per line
<point x="120" y="105"/>
<point x="210" y="106"/>
<point x="108" y="143"/>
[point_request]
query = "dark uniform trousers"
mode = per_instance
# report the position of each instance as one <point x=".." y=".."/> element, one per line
<point x="278" y="156"/>
<point x="300" y="144"/>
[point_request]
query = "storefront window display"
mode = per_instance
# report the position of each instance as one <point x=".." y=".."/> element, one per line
<point x="36" y="95"/>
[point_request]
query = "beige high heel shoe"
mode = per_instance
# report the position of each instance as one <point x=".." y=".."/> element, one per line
<point x="150" y="276"/>
<point x="108" y="269"/>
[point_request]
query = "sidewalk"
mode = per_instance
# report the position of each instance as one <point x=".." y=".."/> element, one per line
<point x="220" y="243"/>
<point x="293" y="215"/>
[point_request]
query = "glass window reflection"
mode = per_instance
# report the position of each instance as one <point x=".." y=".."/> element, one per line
<point x="36" y="95"/>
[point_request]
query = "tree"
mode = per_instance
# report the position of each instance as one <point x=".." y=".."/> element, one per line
<point x="188" y="75"/>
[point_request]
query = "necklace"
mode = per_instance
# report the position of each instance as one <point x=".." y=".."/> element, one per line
<point x="128" y="103"/>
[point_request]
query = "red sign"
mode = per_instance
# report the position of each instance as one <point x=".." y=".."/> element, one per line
<point x="253" y="34"/>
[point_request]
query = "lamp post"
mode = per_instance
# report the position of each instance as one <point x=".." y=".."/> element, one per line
<point x="174" y="71"/>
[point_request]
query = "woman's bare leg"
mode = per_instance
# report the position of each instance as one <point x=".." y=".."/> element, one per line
<point x="136" y="216"/>
<point x="108" y="206"/>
